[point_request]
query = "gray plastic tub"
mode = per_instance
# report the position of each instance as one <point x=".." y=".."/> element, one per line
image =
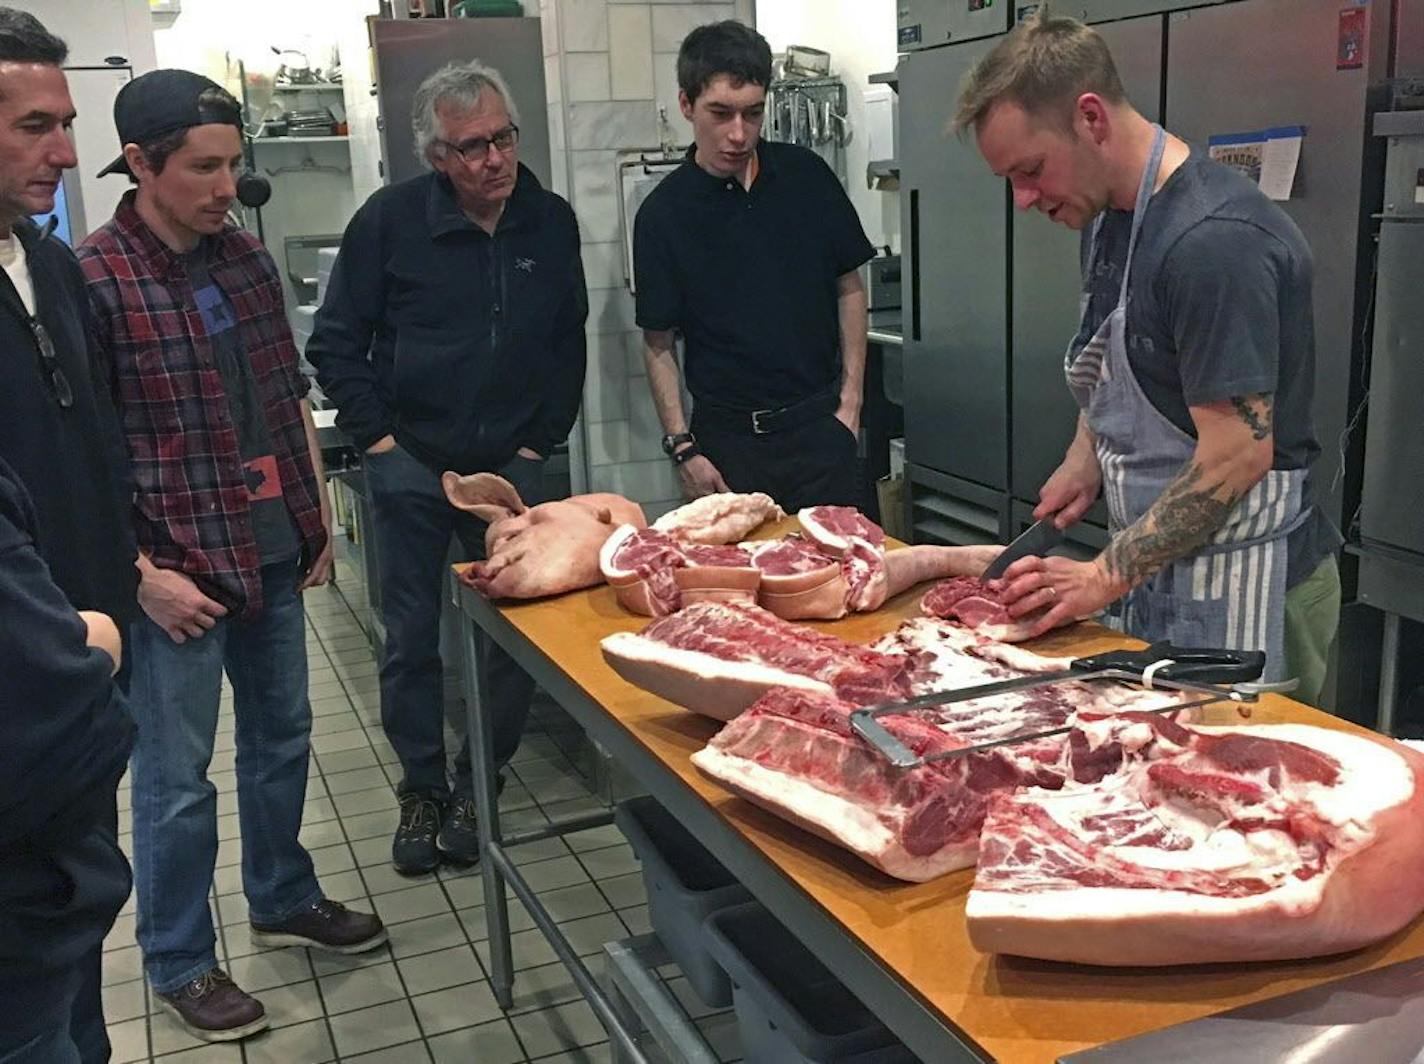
<point x="789" y="1007"/>
<point x="685" y="884"/>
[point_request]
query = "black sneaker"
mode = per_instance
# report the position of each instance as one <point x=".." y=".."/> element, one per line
<point x="459" y="838"/>
<point x="413" y="851"/>
<point x="325" y="925"/>
<point x="211" y="1007"/>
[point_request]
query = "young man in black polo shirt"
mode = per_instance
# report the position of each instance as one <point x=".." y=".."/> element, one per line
<point x="752" y="251"/>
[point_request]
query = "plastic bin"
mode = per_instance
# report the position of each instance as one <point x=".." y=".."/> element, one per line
<point x="789" y="1007"/>
<point x="685" y="884"/>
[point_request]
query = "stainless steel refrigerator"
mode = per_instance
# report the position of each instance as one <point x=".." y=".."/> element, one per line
<point x="991" y="297"/>
<point x="407" y="51"/>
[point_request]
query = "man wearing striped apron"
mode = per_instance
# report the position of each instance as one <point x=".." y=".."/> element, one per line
<point x="1193" y="369"/>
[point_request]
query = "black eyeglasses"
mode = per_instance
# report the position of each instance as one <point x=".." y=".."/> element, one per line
<point x="54" y="373"/>
<point x="475" y="149"/>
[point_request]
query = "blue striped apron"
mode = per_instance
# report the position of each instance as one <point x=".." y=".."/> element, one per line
<point x="1230" y="593"/>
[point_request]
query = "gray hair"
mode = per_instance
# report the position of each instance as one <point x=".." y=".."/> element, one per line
<point x="455" y="83"/>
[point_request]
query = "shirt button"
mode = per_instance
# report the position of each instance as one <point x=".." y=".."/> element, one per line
<point x="729" y="186"/>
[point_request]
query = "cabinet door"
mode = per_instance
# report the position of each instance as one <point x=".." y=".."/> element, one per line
<point x="95" y="142"/>
<point x="1047" y="281"/>
<point x="1394" y="459"/>
<point x="954" y="215"/>
<point x="1262" y="63"/>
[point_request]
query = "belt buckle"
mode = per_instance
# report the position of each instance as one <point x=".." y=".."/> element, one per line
<point x="757" y="415"/>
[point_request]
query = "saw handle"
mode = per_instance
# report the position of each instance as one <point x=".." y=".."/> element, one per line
<point x="1201" y="664"/>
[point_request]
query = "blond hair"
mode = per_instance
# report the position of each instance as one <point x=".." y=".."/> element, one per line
<point x="1043" y="65"/>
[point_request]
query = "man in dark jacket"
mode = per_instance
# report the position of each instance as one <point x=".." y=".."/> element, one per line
<point x="451" y="338"/>
<point x="60" y="438"/>
<point x="65" y="737"/>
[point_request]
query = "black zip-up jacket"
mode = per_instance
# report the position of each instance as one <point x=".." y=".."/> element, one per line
<point x="463" y="345"/>
<point x="72" y="459"/>
<point x="65" y="737"/>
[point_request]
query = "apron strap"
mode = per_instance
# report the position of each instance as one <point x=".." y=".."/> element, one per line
<point x="1144" y="193"/>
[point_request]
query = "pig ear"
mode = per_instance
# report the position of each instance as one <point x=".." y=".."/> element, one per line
<point x="485" y="495"/>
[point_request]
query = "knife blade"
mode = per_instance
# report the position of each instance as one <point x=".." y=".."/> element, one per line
<point x="1041" y="537"/>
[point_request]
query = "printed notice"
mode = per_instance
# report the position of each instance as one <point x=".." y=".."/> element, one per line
<point x="1268" y="157"/>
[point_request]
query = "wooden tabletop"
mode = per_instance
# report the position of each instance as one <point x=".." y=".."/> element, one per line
<point x="1016" y="1010"/>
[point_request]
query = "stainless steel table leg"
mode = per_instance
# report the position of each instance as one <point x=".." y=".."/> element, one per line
<point x="1389" y="674"/>
<point x="481" y="732"/>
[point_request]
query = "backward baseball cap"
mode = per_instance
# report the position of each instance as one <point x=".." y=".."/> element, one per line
<point x="162" y="102"/>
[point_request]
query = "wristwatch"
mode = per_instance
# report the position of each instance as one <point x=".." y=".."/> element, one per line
<point x="675" y="440"/>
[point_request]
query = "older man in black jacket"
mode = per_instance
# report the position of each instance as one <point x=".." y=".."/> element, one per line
<point x="451" y="338"/>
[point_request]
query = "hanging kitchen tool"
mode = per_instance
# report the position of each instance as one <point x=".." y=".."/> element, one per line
<point x="1220" y="675"/>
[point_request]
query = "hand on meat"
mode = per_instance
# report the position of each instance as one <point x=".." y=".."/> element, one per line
<point x="699" y="477"/>
<point x="541" y="550"/>
<point x="1058" y="590"/>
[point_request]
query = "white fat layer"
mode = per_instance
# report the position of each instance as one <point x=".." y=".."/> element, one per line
<point x="610" y="547"/>
<point x="855" y="826"/>
<point x="1073" y="904"/>
<point x="634" y="647"/>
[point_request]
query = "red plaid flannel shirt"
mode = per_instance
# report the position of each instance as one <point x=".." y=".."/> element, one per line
<point x="191" y="504"/>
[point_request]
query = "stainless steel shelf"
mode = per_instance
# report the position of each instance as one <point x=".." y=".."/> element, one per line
<point x="342" y="139"/>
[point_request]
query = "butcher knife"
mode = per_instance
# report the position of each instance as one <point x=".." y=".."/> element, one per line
<point x="1041" y="537"/>
<point x="1220" y="675"/>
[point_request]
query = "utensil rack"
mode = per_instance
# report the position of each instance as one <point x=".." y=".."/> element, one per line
<point x="811" y="112"/>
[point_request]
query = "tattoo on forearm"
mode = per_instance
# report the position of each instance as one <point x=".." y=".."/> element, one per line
<point x="1179" y="522"/>
<point x="1257" y="411"/>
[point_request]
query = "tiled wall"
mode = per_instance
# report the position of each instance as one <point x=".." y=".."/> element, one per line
<point x="609" y="64"/>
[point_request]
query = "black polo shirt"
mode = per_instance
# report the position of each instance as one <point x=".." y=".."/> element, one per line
<point x="749" y="275"/>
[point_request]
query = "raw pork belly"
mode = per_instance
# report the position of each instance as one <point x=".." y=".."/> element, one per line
<point x="965" y="599"/>
<point x="794" y="753"/>
<point x="717" y="659"/>
<point x="1266" y="842"/>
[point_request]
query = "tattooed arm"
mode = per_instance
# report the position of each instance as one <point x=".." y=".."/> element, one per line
<point x="1235" y="449"/>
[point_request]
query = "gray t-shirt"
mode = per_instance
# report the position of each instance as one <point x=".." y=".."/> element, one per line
<point x="272" y="524"/>
<point x="1219" y="305"/>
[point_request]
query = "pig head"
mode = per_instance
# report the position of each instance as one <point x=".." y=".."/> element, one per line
<point x="533" y="551"/>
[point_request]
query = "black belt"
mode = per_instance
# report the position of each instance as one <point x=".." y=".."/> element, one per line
<point x="765" y="422"/>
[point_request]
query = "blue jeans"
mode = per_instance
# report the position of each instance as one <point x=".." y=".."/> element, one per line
<point x="174" y="695"/>
<point x="414" y="522"/>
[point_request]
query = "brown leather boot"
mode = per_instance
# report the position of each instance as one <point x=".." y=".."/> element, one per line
<point x="213" y="1008"/>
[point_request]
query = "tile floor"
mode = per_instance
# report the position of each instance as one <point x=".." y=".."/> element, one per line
<point x="425" y="997"/>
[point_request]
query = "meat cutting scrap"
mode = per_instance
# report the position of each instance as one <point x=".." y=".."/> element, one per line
<point x="1246" y="843"/>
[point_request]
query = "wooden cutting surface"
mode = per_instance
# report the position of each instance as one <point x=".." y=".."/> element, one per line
<point x="1016" y="1010"/>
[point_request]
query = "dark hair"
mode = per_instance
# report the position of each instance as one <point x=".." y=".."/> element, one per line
<point x="730" y="48"/>
<point x="23" y="39"/>
<point x="215" y="106"/>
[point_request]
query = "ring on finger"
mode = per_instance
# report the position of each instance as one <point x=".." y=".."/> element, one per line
<point x="1052" y="591"/>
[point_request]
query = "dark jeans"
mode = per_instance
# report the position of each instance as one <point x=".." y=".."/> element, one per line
<point x="413" y="525"/>
<point x="813" y="464"/>
<point x="55" y="909"/>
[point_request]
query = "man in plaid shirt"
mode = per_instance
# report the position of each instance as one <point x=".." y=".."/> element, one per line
<point x="232" y="521"/>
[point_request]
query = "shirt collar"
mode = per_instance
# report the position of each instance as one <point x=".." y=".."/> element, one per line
<point x="443" y="213"/>
<point x="712" y="187"/>
<point x="157" y="256"/>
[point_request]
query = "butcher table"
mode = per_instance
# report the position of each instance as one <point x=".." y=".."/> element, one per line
<point x="901" y="948"/>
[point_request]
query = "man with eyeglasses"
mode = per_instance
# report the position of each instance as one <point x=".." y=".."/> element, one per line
<point x="451" y="337"/>
<point x="64" y="530"/>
